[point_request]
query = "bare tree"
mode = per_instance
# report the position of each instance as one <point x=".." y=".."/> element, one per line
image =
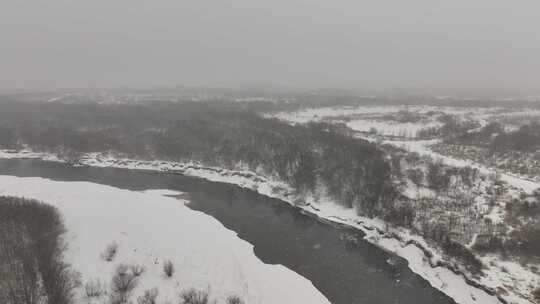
<point x="536" y="293"/>
<point x="94" y="288"/>
<point x="137" y="270"/>
<point x="149" y="297"/>
<point x="123" y="283"/>
<point x="193" y="296"/>
<point x="234" y="300"/>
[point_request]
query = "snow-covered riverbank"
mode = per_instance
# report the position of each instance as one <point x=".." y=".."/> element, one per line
<point x="150" y="228"/>
<point x="407" y="245"/>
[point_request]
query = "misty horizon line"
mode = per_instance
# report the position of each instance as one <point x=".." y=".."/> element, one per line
<point x="440" y="92"/>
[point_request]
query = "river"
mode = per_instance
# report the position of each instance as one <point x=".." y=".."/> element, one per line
<point x="345" y="272"/>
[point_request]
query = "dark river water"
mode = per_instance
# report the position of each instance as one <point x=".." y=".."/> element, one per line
<point x="345" y="273"/>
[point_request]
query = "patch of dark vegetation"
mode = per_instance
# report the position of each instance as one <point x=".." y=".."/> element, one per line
<point x="168" y="268"/>
<point x="31" y="253"/>
<point x="94" y="288"/>
<point x="193" y="296"/>
<point x="440" y="234"/>
<point x="110" y="252"/>
<point x="536" y="294"/>
<point x="354" y="172"/>
<point x="462" y="253"/>
<point x="494" y="137"/>
<point x="234" y="300"/>
<point x="524" y="240"/>
<point x="123" y="283"/>
<point x="149" y="297"/>
<point x="450" y="127"/>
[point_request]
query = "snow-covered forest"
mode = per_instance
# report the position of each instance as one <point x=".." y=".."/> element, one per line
<point x="471" y="219"/>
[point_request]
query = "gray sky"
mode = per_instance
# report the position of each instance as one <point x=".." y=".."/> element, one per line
<point x="358" y="43"/>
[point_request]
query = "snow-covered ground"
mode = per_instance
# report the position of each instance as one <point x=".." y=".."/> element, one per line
<point x="318" y="114"/>
<point x="363" y="123"/>
<point x="366" y="118"/>
<point x="150" y="228"/>
<point x="422" y="147"/>
<point x="452" y="284"/>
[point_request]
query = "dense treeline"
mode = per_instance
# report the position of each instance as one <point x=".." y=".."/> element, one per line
<point x="352" y="171"/>
<point x="31" y="254"/>
<point x="494" y="137"/>
<point x="451" y="126"/>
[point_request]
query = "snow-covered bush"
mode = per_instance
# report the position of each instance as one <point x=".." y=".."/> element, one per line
<point x="94" y="288"/>
<point x="193" y="296"/>
<point x="110" y="252"/>
<point x="168" y="268"/>
<point x="136" y="270"/>
<point x="234" y="300"/>
<point x="149" y="297"/>
<point x="123" y="283"/>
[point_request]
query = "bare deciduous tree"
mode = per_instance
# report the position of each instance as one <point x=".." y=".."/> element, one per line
<point x="234" y="300"/>
<point x="149" y="297"/>
<point x="193" y="296"/>
<point x="123" y="283"/>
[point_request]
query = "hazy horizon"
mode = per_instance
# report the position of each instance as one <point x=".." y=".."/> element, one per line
<point x="476" y="45"/>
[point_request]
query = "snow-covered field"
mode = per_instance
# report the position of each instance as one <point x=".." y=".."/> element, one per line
<point x="452" y="284"/>
<point x="422" y="147"/>
<point x="149" y="228"/>
<point x="366" y="118"/>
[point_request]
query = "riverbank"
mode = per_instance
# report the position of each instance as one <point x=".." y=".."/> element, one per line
<point x="413" y="248"/>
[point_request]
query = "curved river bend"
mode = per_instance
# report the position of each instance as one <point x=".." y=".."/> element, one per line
<point x="345" y="272"/>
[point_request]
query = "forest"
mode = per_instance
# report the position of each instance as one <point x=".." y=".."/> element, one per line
<point x="31" y="254"/>
<point x="496" y="138"/>
<point x="353" y="172"/>
<point x="311" y="158"/>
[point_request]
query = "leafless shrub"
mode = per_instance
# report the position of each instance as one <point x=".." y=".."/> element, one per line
<point x="31" y="254"/>
<point x="193" y="296"/>
<point x="123" y="283"/>
<point x="136" y="270"/>
<point x="149" y="297"/>
<point x="234" y="300"/>
<point x="94" y="288"/>
<point x="19" y="279"/>
<point x="110" y="252"/>
<point x="168" y="268"/>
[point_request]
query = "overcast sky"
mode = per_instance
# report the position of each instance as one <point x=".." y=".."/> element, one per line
<point x="357" y="43"/>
